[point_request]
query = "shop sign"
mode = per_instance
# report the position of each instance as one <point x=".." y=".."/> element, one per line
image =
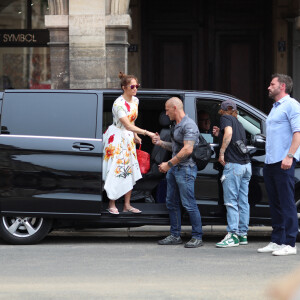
<point x="24" y="38"/>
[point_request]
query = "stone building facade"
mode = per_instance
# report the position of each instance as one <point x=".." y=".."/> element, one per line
<point x="229" y="46"/>
<point x="88" y="42"/>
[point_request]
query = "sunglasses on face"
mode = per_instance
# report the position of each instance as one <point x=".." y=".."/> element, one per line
<point x="134" y="86"/>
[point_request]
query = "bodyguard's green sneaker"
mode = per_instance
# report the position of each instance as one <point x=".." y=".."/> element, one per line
<point x="243" y="240"/>
<point x="230" y="240"/>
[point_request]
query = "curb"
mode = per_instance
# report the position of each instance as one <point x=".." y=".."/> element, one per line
<point x="156" y="231"/>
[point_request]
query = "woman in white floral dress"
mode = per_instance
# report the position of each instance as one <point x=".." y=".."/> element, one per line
<point x="120" y="166"/>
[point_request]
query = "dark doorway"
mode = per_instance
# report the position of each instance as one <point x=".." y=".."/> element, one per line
<point x="173" y="61"/>
<point x="221" y="45"/>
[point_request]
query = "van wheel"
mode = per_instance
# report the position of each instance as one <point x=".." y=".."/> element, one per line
<point x="24" y="230"/>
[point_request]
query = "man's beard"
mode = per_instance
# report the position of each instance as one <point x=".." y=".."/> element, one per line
<point x="273" y="94"/>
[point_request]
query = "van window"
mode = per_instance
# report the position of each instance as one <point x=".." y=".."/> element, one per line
<point x="207" y="117"/>
<point x="50" y="114"/>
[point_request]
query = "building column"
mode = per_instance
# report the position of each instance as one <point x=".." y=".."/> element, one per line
<point x="87" y="44"/>
<point x="118" y="22"/>
<point x="58" y="25"/>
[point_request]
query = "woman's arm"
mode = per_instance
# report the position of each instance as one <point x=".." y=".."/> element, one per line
<point x="134" y="128"/>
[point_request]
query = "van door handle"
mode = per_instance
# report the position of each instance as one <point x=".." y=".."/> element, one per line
<point x="83" y="147"/>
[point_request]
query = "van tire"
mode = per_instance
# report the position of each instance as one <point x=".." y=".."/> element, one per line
<point x="24" y="230"/>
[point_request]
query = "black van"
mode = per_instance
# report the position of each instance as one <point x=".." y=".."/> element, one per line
<point x="51" y="161"/>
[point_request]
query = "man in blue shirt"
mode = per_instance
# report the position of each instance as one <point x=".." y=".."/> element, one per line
<point x="282" y="151"/>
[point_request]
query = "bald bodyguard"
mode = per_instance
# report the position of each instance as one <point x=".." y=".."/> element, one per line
<point x="181" y="174"/>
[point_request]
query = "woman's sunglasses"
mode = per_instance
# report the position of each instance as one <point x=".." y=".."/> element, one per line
<point x="134" y="86"/>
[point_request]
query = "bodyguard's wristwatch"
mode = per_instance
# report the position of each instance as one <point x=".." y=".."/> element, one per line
<point x="290" y="155"/>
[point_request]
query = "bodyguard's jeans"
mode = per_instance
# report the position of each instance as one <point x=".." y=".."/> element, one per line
<point x="236" y="187"/>
<point x="180" y="186"/>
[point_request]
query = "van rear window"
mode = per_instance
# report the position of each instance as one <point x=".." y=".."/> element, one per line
<point x="49" y="114"/>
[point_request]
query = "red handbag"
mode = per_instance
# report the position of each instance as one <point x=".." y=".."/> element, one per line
<point x="143" y="158"/>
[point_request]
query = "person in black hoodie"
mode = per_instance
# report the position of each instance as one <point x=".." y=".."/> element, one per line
<point x="236" y="175"/>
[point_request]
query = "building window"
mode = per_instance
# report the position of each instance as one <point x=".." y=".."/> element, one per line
<point x="24" y="53"/>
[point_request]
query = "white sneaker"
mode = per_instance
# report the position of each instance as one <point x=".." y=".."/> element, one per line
<point x="287" y="250"/>
<point x="270" y="248"/>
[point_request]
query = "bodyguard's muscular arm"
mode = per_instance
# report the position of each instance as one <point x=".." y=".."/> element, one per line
<point x="166" y="145"/>
<point x="226" y="141"/>
<point x="157" y="141"/>
<point x="287" y="161"/>
<point x="183" y="154"/>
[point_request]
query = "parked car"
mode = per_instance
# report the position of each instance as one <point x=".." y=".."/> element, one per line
<point x="51" y="161"/>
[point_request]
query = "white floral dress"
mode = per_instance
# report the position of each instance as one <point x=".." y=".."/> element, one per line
<point x="120" y="166"/>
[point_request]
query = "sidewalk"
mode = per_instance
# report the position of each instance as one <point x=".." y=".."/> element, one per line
<point x="157" y="231"/>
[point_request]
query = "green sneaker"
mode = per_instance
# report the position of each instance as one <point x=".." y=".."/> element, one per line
<point x="230" y="240"/>
<point x="243" y="240"/>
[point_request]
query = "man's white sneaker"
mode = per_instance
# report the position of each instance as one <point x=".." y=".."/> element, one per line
<point x="287" y="250"/>
<point x="271" y="247"/>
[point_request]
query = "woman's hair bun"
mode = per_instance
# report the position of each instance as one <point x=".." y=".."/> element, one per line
<point x="121" y="75"/>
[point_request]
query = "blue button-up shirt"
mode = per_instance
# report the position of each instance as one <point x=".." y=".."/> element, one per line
<point x="282" y="122"/>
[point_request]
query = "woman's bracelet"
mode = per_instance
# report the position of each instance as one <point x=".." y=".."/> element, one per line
<point x="145" y="132"/>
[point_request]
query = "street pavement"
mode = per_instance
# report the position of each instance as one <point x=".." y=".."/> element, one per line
<point x="128" y="264"/>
